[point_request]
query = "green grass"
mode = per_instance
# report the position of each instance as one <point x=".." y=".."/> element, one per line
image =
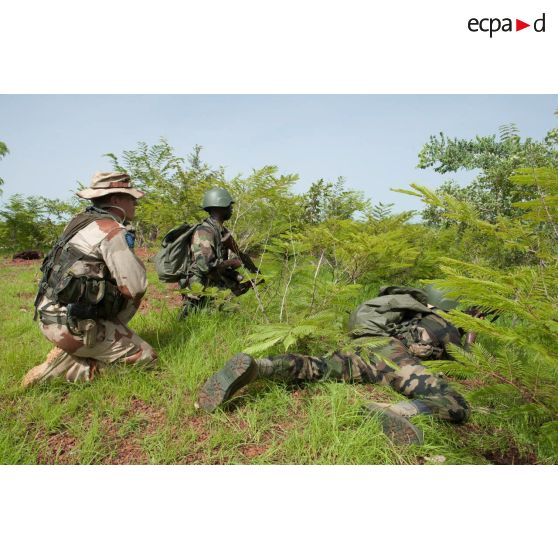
<point x="131" y="415"/>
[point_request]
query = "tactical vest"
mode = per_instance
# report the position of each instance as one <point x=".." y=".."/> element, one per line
<point x="58" y="284"/>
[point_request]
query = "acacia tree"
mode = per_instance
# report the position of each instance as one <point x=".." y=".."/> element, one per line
<point x="264" y="203"/>
<point x="332" y="200"/>
<point x="3" y="152"/>
<point x="516" y="356"/>
<point x="492" y="193"/>
<point x="32" y="222"/>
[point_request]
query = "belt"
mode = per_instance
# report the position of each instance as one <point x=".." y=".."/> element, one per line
<point x="49" y="320"/>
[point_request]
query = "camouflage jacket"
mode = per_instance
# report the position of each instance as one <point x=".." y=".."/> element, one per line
<point x="104" y="245"/>
<point x="207" y="253"/>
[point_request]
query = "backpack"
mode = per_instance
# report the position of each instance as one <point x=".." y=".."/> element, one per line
<point x="390" y="313"/>
<point x="173" y="259"/>
<point x="396" y="312"/>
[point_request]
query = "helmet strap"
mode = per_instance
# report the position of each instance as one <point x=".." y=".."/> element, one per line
<point x="115" y="207"/>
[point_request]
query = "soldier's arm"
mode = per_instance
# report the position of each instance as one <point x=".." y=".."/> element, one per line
<point x="204" y="255"/>
<point x="125" y="268"/>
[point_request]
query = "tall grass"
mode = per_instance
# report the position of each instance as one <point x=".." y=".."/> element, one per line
<point x="131" y="415"/>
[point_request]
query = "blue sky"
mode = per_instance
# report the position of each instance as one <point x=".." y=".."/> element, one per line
<point x="372" y="140"/>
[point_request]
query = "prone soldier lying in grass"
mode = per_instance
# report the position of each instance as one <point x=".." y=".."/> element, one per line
<point x="415" y="331"/>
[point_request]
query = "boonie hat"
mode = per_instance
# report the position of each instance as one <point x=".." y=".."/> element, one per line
<point x="105" y="183"/>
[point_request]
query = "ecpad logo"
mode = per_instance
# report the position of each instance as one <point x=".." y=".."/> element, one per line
<point x="493" y="25"/>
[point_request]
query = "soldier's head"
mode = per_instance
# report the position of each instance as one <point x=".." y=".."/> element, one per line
<point x="123" y="204"/>
<point x="218" y="203"/>
<point x="113" y="191"/>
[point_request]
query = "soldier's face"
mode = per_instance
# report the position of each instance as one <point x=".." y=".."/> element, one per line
<point x="227" y="212"/>
<point x="128" y="205"/>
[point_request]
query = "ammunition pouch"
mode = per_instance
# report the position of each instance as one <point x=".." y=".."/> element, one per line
<point x="90" y="298"/>
<point x="80" y="319"/>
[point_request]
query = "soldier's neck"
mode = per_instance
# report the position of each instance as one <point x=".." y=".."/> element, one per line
<point x="117" y="212"/>
<point x="217" y="219"/>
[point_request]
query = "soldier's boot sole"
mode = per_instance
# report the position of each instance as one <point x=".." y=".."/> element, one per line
<point x="37" y="373"/>
<point x="238" y="371"/>
<point x="397" y="428"/>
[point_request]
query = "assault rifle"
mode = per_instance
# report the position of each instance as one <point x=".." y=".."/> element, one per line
<point x="239" y="287"/>
<point x="230" y="243"/>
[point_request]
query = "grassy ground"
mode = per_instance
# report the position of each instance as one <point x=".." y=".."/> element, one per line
<point x="135" y="416"/>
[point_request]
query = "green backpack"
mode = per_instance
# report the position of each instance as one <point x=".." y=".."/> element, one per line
<point x="390" y="314"/>
<point x="173" y="260"/>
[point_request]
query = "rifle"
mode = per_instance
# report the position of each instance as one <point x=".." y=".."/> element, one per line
<point x="230" y="243"/>
<point x="234" y="281"/>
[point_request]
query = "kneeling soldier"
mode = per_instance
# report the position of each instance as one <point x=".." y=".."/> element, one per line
<point x="91" y="287"/>
<point x="408" y="318"/>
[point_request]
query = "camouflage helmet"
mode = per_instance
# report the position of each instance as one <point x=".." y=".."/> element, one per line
<point x="216" y="197"/>
<point x="440" y="299"/>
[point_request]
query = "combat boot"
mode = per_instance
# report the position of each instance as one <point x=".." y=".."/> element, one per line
<point x="238" y="371"/>
<point x="37" y="373"/>
<point x="395" y="423"/>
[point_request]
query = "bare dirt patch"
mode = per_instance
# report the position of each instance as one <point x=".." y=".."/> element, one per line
<point x="127" y="449"/>
<point x="154" y="298"/>
<point x="510" y="456"/>
<point x="59" y="449"/>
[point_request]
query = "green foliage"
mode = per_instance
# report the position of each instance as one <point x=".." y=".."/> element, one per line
<point x="174" y="186"/>
<point x="514" y="277"/>
<point x="492" y="193"/>
<point x="493" y="243"/>
<point x="32" y="222"/>
<point x="3" y="152"/>
<point x="331" y="200"/>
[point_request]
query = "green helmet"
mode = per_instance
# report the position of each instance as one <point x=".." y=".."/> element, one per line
<point x="440" y="299"/>
<point x="216" y="197"/>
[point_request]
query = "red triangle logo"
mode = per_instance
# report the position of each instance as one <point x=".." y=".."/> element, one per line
<point x="519" y="25"/>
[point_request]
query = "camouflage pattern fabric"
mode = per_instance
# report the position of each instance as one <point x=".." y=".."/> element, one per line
<point x="77" y="362"/>
<point x="207" y="254"/>
<point x="432" y="393"/>
<point x="428" y="337"/>
<point x="106" y="249"/>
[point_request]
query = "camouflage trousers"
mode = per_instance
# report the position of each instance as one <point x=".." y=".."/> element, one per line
<point x="431" y="394"/>
<point x="114" y="343"/>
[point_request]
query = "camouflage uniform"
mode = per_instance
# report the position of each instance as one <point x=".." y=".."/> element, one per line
<point x="427" y="336"/>
<point x="207" y="255"/>
<point x="106" y="250"/>
<point x="431" y="394"/>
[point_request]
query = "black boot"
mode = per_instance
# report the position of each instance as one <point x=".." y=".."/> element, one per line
<point x="395" y="423"/>
<point x="238" y="371"/>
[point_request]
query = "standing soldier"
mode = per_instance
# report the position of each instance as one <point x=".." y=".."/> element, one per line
<point x="406" y="317"/>
<point x="91" y="287"/>
<point x="214" y="256"/>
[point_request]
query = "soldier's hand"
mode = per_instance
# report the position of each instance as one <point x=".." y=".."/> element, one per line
<point x="234" y="263"/>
